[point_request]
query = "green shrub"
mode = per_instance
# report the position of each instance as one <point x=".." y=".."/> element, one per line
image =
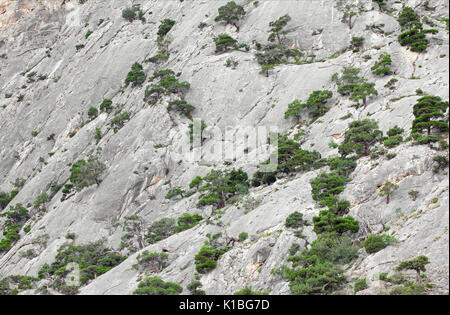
<point x="106" y="106"/>
<point x="156" y="286"/>
<point x="316" y="104"/>
<point x="175" y="192"/>
<point x="129" y="14"/>
<point x="220" y="186"/>
<point x="165" y="27"/>
<point x="342" y="166"/>
<point x="328" y="247"/>
<point x="206" y="259"/>
<point x="327" y="221"/>
<point x="409" y="289"/>
<point x="136" y="76"/>
<point x="224" y="43"/>
<point x="322" y="278"/>
<point x="356" y="43"/>
<point x="12" y="285"/>
<point x="248" y="291"/>
<point x="160" y="230"/>
<point x="242" y="236"/>
<point x="92" y="112"/>
<point x="118" y="121"/>
<point x="85" y="173"/>
<point x="360" y="284"/>
<point x="41" y="199"/>
<point x="393" y="141"/>
<point x="181" y="106"/>
<point x="194" y="288"/>
<point x="155" y="262"/>
<point x="442" y="163"/>
<point x="5" y="198"/>
<point x="383" y="65"/>
<point x="294" y="220"/>
<point x="187" y="221"/>
<point x="92" y="259"/>
<point x="327" y="185"/>
<point x="376" y="242"/>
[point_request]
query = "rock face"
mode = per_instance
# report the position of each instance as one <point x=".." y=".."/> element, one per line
<point x="75" y="70"/>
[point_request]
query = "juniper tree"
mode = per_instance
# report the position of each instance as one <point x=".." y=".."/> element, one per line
<point x="230" y="13"/>
<point x="361" y="92"/>
<point x="360" y="136"/>
<point x="429" y="115"/>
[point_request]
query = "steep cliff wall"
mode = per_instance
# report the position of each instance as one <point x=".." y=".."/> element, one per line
<point x="80" y="54"/>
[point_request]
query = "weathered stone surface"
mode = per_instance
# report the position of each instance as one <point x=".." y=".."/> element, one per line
<point x="141" y="164"/>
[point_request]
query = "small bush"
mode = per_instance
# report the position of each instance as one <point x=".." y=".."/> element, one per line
<point x="294" y="220"/>
<point x="156" y="286"/>
<point x="224" y="43"/>
<point x="136" y="76"/>
<point x="242" y="236"/>
<point x="165" y="27"/>
<point x="375" y="242"/>
<point x="360" y="284"/>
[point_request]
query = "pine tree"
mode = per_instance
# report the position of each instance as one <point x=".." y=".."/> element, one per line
<point x="359" y="137"/>
<point x="230" y="13"/>
<point x="224" y="43"/>
<point x="361" y="92"/>
<point x="417" y="264"/>
<point x="387" y="190"/>
<point x="382" y="66"/>
<point x="429" y="113"/>
<point x="276" y="28"/>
